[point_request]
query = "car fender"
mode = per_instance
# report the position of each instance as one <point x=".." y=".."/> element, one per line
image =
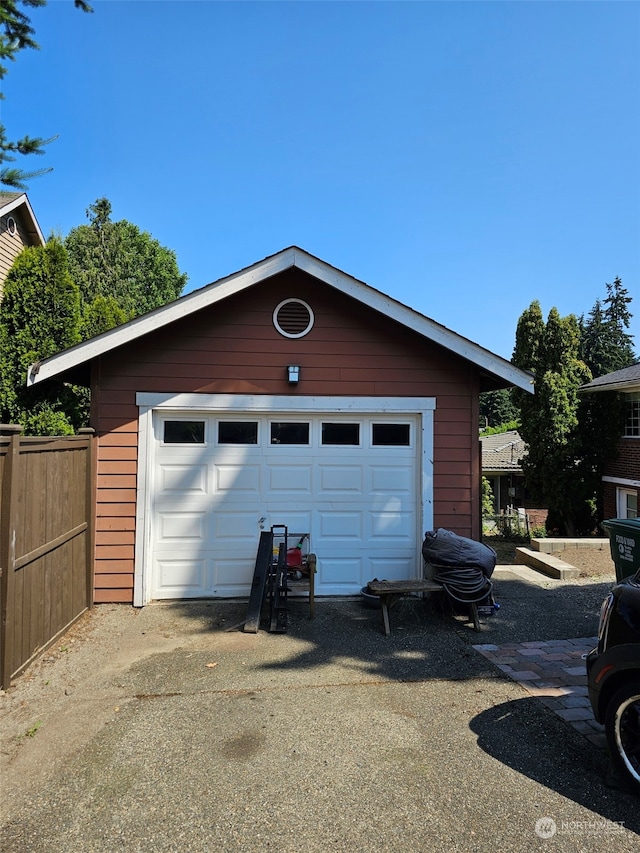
<point x="607" y="671"/>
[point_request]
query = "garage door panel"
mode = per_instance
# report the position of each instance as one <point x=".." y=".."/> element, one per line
<point x="338" y="479"/>
<point x="393" y="524"/>
<point x="340" y="524"/>
<point x="181" y="578"/>
<point x="341" y="572"/>
<point x="237" y="479"/>
<point x="236" y="525"/>
<point x="392" y="479"/>
<point x="289" y="479"/>
<point x="182" y="479"/>
<point x="232" y="573"/>
<point x="295" y="522"/>
<point x="391" y="568"/>
<point x="181" y="526"/>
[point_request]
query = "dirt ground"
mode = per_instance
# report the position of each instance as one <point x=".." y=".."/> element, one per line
<point x="592" y="562"/>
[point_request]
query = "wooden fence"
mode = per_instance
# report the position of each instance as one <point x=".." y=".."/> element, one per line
<point x="46" y="541"/>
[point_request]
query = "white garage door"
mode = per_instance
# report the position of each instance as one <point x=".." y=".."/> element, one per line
<point x="352" y="481"/>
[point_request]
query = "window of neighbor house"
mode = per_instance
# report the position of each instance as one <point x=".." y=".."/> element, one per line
<point x="632" y="422"/>
<point x="627" y="503"/>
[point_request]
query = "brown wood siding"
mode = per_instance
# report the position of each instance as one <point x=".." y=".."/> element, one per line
<point x="234" y="348"/>
<point x="115" y="492"/>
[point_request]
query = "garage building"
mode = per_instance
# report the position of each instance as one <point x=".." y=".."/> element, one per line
<point x="286" y="393"/>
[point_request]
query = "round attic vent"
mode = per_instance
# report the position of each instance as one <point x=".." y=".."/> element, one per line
<point x="11" y="226"/>
<point x="293" y="318"/>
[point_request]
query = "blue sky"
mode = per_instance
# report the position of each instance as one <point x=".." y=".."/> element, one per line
<point x="463" y="157"/>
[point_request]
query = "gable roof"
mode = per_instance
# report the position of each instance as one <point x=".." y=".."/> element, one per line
<point x="496" y="370"/>
<point x="502" y="451"/>
<point x="11" y="203"/>
<point x="626" y="379"/>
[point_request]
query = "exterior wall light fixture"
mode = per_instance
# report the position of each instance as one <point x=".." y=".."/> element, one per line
<point x="293" y="373"/>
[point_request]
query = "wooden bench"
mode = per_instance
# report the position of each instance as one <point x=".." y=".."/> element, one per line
<point x="391" y="591"/>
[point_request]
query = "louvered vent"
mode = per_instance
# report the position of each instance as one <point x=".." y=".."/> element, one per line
<point x="293" y="318"/>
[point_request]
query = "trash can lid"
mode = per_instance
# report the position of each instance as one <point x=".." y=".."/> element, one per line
<point x="622" y="522"/>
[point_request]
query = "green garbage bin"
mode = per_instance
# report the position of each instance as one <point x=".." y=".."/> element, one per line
<point x="624" y="541"/>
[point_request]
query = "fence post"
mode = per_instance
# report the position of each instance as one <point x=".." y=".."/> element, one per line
<point x="90" y="498"/>
<point x="8" y="525"/>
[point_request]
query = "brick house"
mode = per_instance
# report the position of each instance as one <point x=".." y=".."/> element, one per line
<point x="286" y="393"/>
<point x="621" y="480"/>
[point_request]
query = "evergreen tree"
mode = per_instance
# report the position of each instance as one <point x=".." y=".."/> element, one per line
<point x="594" y="346"/>
<point x="99" y="316"/>
<point x="618" y="319"/>
<point x="120" y="266"/>
<point x="39" y="316"/>
<point x="549" y="418"/>
<point x="606" y="344"/>
<point x="497" y="409"/>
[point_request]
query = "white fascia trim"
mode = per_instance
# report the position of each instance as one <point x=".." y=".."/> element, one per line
<point x="281" y="403"/>
<point x="8" y="206"/>
<point x="12" y="205"/>
<point x="148" y="403"/>
<point x="142" y="573"/>
<point x="236" y="282"/>
<point x="19" y="202"/>
<point x="622" y="481"/>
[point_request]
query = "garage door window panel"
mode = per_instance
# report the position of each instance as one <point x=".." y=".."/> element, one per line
<point x="237" y="432"/>
<point x="183" y="432"/>
<point x="391" y="435"/>
<point x="290" y="432"/>
<point x="340" y="434"/>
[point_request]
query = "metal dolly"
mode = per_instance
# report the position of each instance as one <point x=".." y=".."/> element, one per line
<point x="274" y="578"/>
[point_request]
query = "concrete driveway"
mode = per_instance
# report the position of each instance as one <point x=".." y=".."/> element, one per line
<point x="169" y="729"/>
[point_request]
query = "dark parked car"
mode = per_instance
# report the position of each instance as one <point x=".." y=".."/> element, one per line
<point x="613" y="672"/>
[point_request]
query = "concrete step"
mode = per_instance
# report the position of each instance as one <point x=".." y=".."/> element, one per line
<point x="547" y="546"/>
<point x="549" y="565"/>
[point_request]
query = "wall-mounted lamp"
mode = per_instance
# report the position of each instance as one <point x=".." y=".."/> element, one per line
<point x="293" y="373"/>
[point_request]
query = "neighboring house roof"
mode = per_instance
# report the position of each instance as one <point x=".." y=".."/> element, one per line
<point x="502" y="452"/>
<point x="496" y="371"/>
<point x="626" y="380"/>
<point x="18" y="229"/>
<point x="18" y="202"/>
